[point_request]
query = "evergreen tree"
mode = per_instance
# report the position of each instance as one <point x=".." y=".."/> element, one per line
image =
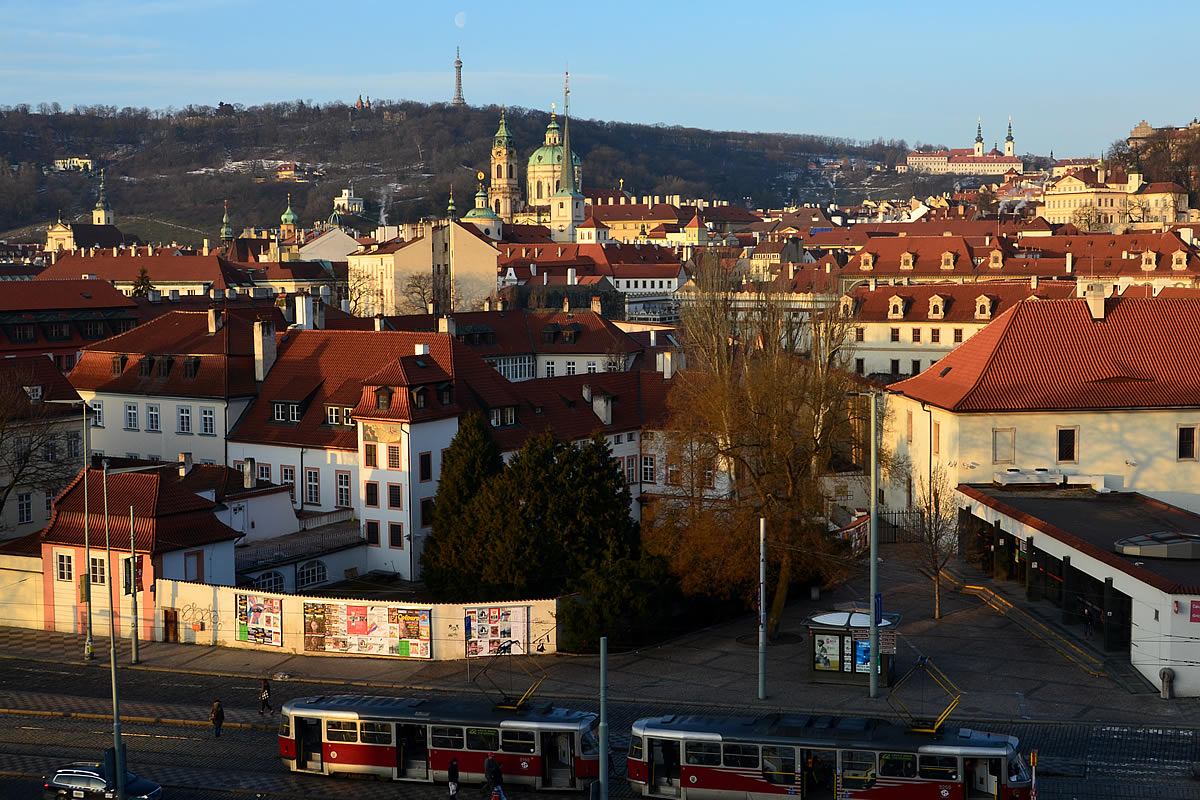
<point x="142" y="285"/>
<point x="453" y="552"/>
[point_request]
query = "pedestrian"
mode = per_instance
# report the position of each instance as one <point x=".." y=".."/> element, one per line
<point x="489" y="773"/>
<point x="264" y="697"/>
<point x="452" y="778"/>
<point x="217" y="718"/>
<point x="1088" y="633"/>
<point x="498" y="782"/>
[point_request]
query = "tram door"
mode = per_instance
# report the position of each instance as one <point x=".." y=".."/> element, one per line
<point x="307" y="731"/>
<point x="412" y="751"/>
<point x="662" y="756"/>
<point x="819" y="772"/>
<point x="982" y="777"/>
<point x="558" y="760"/>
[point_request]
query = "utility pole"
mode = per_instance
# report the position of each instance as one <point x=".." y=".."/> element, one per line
<point x="762" y="608"/>
<point x="604" y="777"/>
<point x="118" y="747"/>
<point x="873" y="666"/>
<point x="133" y="589"/>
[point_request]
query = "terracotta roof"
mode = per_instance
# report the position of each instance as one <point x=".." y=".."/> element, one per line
<point x="18" y="372"/>
<point x="958" y="299"/>
<point x="210" y="269"/>
<point x="629" y="212"/>
<point x="498" y="333"/>
<point x="1051" y="355"/>
<point x="1162" y="187"/>
<point x="61" y="295"/>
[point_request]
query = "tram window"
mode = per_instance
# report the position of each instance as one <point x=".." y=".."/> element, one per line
<point x="337" y="730"/>
<point x="741" y="755"/>
<point x="285" y="726"/>
<point x="940" y="768"/>
<point x="1016" y="768"/>
<point x="483" y="739"/>
<point x="635" y="748"/>
<point x="589" y="743"/>
<point x="447" y="738"/>
<point x="858" y="769"/>
<point x="376" y="733"/>
<point x="704" y="754"/>
<point x="517" y="741"/>
<point x="779" y="765"/>
<point x="898" y="765"/>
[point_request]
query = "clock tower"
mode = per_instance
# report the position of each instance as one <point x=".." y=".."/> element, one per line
<point x="504" y="193"/>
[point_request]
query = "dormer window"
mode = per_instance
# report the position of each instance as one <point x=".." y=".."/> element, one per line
<point x="1149" y="260"/>
<point x="983" y="307"/>
<point x="445" y="394"/>
<point x="895" y="307"/>
<point x="145" y="367"/>
<point x="333" y="415"/>
<point x="418" y="398"/>
<point x="294" y="412"/>
<point x="868" y="261"/>
<point x="936" y="307"/>
<point x="346" y="418"/>
<point x="506" y="415"/>
<point x="383" y="398"/>
<point x="1179" y="260"/>
<point x="568" y="336"/>
<point x="118" y="365"/>
<point x="164" y="366"/>
<point x="34" y="393"/>
<point x="279" y="412"/>
<point x="948" y="260"/>
<point x="906" y="261"/>
<point x="996" y="259"/>
<point x="191" y="366"/>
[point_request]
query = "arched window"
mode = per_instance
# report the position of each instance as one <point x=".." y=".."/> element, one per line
<point x="269" y="582"/>
<point x="557" y="185"/>
<point x="539" y="190"/>
<point x="497" y="206"/>
<point x="499" y="171"/>
<point x="895" y="309"/>
<point x="310" y="573"/>
<point x="936" y="310"/>
<point x="510" y="170"/>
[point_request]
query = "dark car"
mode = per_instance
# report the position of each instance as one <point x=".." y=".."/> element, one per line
<point x="85" y="779"/>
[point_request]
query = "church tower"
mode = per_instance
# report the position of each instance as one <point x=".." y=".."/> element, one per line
<point x="1009" y="145"/>
<point x="102" y="214"/>
<point x="566" y="206"/>
<point x="226" y="227"/>
<point x="458" y="98"/>
<point x="504" y="194"/>
<point x="288" y="221"/>
<point x="979" y="139"/>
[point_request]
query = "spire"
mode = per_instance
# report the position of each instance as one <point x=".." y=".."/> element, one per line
<point x="458" y="97"/>
<point x="450" y="210"/>
<point x="289" y="217"/>
<point x="979" y="132"/>
<point x="102" y="200"/>
<point x="226" y="228"/>
<point x="1009" y="137"/>
<point x="568" y="163"/>
<point x="503" y="137"/>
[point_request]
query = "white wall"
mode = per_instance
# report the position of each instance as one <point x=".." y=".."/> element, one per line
<point x="327" y="462"/>
<point x="263" y="516"/>
<point x="339" y="566"/>
<point x="114" y="439"/>
<point x="217" y="559"/>
<point x="21" y="591"/>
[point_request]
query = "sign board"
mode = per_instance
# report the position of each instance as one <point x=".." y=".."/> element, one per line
<point x="887" y="640"/>
<point x="367" y="630"/>
<point x="1195" y="616"/>
<point x="259" y="619"/>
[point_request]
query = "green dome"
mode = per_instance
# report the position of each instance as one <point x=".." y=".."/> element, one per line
<point x="550" y="154"/>
<point x="335" y="219"/>
<point x="289" y="217"/>
<point x="481" y="210"/>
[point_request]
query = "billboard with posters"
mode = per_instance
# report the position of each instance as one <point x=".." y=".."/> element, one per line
<point x="260" y="619"/>
<point x="497" y="629"/>
<point x="367" y="630"/>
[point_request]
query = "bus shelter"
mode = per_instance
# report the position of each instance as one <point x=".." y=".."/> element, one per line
<point x="839" y="644"/>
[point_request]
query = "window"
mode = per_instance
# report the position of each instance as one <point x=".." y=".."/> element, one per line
<point x="1187" y="443"/>
<point x="858" y="769"/>
<point x="342" y="481"/>
<point x="859" y="334"/>
<point x="446" y="738"/>
<point x="740" y="755"/>
<point x="347" y="418"/>
<point x="371" y="455"/>
<point x="860" y="366"/>
<point x="916" y="335"/>
<point x="426" y="512"/>
<point x="779" y="765"/>
<point x="631" y="469"/>
<point x="1004" y="445"/>
<point x="549" y="369"/>
<point x="74" y="445"/>
<point x="517" y="741"/>
<point x="393" y="451"/>
<point x="97" y="413"/>
<point x="153" y="421"/>
<point x="185" y="419"/>
<point x="672" y="474"/>
<point x="916" y="366"/>
<point x="958" y="335"/>
<point x="396" y="535"/>
<point x="648" y="469"/>
<point x="312" y="486"/>
<point x="63" y="566"/>
<point x="483" y="739"/>
<point x="269" y="582"/>
<point x="208" y="421"/>
<point x="591" y="366"/>
<point x="97" y="576"/>
<point x="164" y="366"/>
<point x="570" y="367"/>
<point x="935" y="335"/>
<point x="50" y="450"/>
<point x="191" y="366"/>
<point x="1068" y="446"/>
<point x="310" y="574"/>
<point x="371" y="494"/>
<point x="279" y="412"/>
<point x="372" y="531"/>
<point x="118" y="364"/>
<point x="376" y="732"/>
<point x="425" y="466"/>
<point x="635" y="748"/>
<point x="909" y="426"/>
<point x="705" y="754"/>
<point x="395" y="495"/>
<point x="264" y="472"/>
<point x="341" y="730"/>
<point x="24" y="508"/>
<point x="898" y="765"/>
<point x="418" y="397"/>
<point x="287" y="476"/>
<point x="936" y="435"/>
<point x="131" y="416"/>
<point x="938" y="768"/>
<point x="294" y="412"/>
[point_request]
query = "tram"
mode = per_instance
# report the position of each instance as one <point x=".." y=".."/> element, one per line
<point x="819" y="757"/>
<point x="538" y="747"/>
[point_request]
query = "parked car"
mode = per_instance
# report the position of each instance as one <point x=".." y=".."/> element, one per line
<point x="85" y="779"/>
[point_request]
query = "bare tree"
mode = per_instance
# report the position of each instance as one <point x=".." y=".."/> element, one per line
<point x="933" y="539"/>
<point x="417" y="294"/>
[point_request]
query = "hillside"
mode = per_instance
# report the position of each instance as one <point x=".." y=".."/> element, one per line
<point x="174" y="168"/>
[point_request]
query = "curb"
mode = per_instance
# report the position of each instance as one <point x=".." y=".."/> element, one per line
<point x="21" y="712"/>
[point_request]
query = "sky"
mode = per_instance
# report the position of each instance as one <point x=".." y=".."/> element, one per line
<point x="1074" y="76"/>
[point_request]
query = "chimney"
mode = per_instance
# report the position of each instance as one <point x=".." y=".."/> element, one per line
<point x="602" y="407"/>
<point x="248" y="476"/>
<point x="379" y="322"/>
<point x="654" y="338"/>
<point x="421" y="350"/>
<point x="447" y="325"/>
<point x="566" y="305"/>
<point x="487" y="304"/>
<point x="185" y="464"/>
<point x="597" y="306"/>
<point x="1033" y="282"/>
<point x="53" y="257"/>
<point x="571" y="277"/>
<point x="155" y="296"/>
<point x="204" y="252"/>
<point x="324" y="293"/>
<point x="304" y="311"/>
<point x="1070" y="262"/>
<point x="532" y="269"/>
<point x="215" y="321"/>
<point x="1187" y="235"/>
<point x="264" y="348"/>
<point x="116" y="251"/>
<point x="500" y="304"/>
<point x="149" y="249"/>
<point x="231" y="293"/>
<point x="587" y="392"/>
<point x="1095" y="300"/>
<point x="174" y="295"/>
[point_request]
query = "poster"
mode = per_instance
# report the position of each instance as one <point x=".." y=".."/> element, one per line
<point x="492" y="630"/>
<point x="827" y="652"/>
<point x="259" y="619"/>
<point x="367" y="630"/>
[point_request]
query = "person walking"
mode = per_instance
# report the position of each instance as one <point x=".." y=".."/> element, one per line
<point x="452" y="778"/>
<point x="264" y="697"/>
<point x="1088" y="632"/>
<point x="498" y="782"/>
<point x="217" y="718"/>
<point x="490" y="768"/>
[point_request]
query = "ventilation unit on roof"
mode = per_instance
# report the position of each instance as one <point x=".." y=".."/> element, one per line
<point x="1014" y="477"/>
<point x="1161" y="544"/>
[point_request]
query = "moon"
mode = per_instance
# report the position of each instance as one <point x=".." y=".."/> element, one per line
<point x="460" y="19"/>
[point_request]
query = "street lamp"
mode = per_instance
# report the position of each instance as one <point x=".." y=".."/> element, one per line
<point x="88" y="652"/>
<point x="873" y="653"/>
<point x="112" y="645"/>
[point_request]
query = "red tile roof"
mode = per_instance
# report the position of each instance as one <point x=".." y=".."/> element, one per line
<point x="18" y="372"/>
<point x="499" y="333"/>
<point x="1051" y="355"/>
<point x="62" y="295"/>
<point x="210" y="269"/>
<point x="958" y="299"/>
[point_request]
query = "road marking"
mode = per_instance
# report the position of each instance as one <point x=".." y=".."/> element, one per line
<point x="127" y="734"/>
<point x="30" y="728"/>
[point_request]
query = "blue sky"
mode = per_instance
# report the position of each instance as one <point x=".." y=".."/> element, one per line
<point x="1074" y="76"/>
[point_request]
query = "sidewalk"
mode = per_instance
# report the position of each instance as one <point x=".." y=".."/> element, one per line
<point x="1005" y="673"/>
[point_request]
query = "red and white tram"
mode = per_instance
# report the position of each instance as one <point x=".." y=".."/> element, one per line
<point x="819" y="757"/>
<point x="540" y="747"/>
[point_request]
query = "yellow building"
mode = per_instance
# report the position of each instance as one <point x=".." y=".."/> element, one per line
<point x="1097" y="199"/>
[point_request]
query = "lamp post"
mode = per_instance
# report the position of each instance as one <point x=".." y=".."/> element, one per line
<point x="873" y="652"/>
<point x="88" y="652"/>
<point x="112" y="646"/>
